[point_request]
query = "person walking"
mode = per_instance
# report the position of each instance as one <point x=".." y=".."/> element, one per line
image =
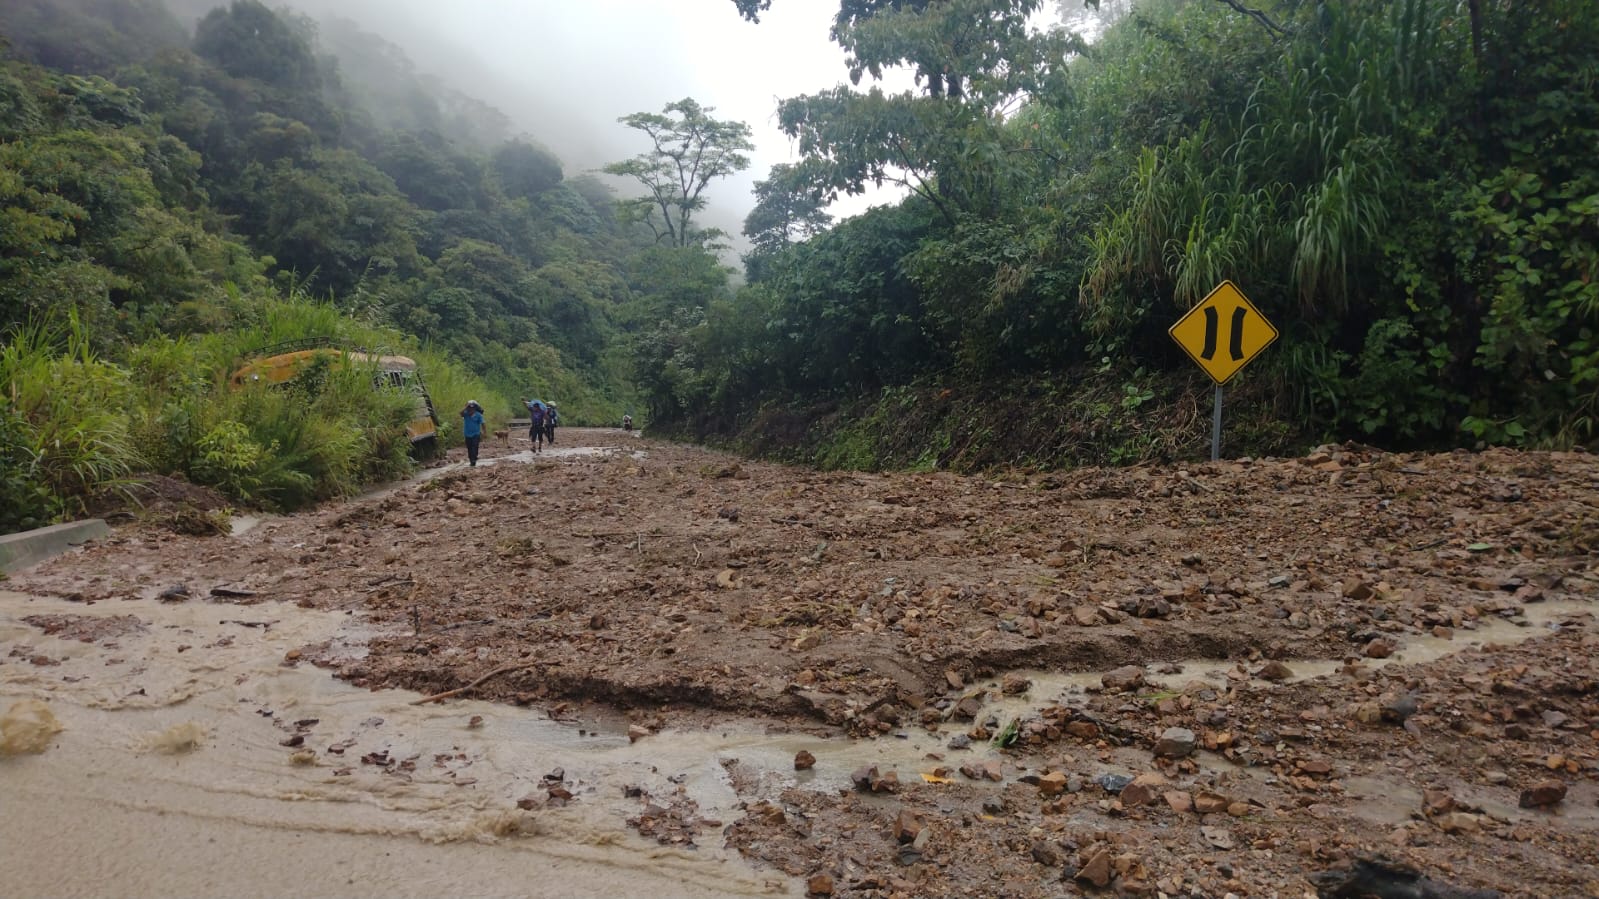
<point x="472" y="429"/>
<point x="550" y="415"/>
<point x="536" y="411"/>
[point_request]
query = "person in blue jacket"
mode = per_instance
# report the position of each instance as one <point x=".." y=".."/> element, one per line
<point x="536" y="410"/>
<point x="472" y="429"/>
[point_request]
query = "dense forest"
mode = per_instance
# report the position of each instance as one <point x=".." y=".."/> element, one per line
<point x="1407" y="188"/>
<point x="177" y="196"/>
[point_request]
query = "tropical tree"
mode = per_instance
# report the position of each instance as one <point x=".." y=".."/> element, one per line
<point x="689" y="150"/>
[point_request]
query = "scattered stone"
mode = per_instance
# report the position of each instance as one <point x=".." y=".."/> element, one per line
<point x="907" y="826"/>
<point x="1459" y="822"/>
<point x="475" y="722"/>
<point x="1238" y="809"/>
<point x="1127" y="677"/>
<point x="1179" y="801"/>
<point x="1379" y="648"/>
<point x="1544" y="794"/>
<point x="1083" y="730"/>
<point x="1113" y="783"/>
<point x="1152" y="607"/>
<point x="1096" y="871"/>
<point x="1086" y="616"/>
<point x="1049" y="854"/>
<point x="968" y="708"/>
<point x="1274" y="671"/>
<point x="1219" y="837"/>
<point x="868" y="780"/>
<point x="819" y="885"/>
<point x="960" y="741"/>
<point x="954" y="679"/>
<point x="1052" y="784"/>
<point x="1207" y="802"/>
<point x="635" y="732"/>
<point x="1014" y="684"/>
<point x="1143" y="790"/>
<point x="1399" y="707"/>
<point x="1437" y="802"/>
<point x="1357" y="590"/>
<point x="1176" y="743"/>
<point x="804" y="761"/>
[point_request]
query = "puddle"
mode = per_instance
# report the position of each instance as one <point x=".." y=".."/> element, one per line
<point x="1058" y="686"/>
<point x="1392" y="802"/>
<point x="526" y="457"/>
<point x="173" y="752"/>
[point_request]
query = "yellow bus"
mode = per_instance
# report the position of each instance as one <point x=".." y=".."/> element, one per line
<point x="282" y="362"/>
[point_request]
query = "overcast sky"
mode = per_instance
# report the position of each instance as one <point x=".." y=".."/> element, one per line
<point x="566" y="70"/>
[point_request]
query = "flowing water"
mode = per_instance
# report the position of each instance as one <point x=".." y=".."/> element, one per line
<point x="170" y="777"/>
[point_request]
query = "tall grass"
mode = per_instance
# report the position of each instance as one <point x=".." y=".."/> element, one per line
<point x="76" y="427"/>
<point x="68" y="411"/>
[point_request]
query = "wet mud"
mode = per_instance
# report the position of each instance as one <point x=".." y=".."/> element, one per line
<point x="1190" y="682"/>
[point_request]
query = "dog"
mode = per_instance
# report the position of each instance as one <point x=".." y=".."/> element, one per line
<point x="504" y="435"/>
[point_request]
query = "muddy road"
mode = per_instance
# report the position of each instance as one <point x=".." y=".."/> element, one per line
<point x="691" y="674"/>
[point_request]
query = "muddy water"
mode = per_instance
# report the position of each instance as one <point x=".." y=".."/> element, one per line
<point x="170" y="777"/>
<point x="1173" y="675"/>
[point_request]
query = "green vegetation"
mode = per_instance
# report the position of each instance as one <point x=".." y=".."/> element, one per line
<point x="171" y="202"/>
<point x="1407" y="188"/>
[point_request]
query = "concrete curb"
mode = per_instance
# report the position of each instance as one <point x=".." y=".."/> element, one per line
<point x="19" y="551"/>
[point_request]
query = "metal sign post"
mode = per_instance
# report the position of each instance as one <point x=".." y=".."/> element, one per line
<point x="1215" y="428"/>
<point x="1222" y="335"/>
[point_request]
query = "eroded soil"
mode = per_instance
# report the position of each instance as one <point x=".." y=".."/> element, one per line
<point x="1302" y="662"/>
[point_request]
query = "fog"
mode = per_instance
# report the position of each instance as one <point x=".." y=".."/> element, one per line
<point x="564" y="72"/>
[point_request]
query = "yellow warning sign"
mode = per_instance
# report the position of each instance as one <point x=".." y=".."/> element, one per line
<point x="1223" y="333"/>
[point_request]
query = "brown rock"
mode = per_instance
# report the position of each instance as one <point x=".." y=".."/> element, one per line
<point x="1459" y="822"/>
<point x="1052" y="784"/>
<point x="968" y="708"/>
<point x="954" y="679"/>
<point x="1436" y="802"/>
<point x="1179" y="801"/>
<point x="819" y="885"/>
<point x="635" y="732"/>
<point x="1136" y="795"/>
<point x="1127" y="677"/>
<point x="1097" y="869"/>
<point x="803" y="761"/>
<point x="1443" y="632"/>
<point x="1238" y="809"/>
<point x="1543" y="794"/>
<point x="1274" y="671"/>
<point x="1315" y="766"/>
<point x="1379" y="648"/>
<point x="1086" y="616"/>
<point x="1143" y="790"/>
<point x="1082" y="730"/>
<point x="1049" y="854"/>
<point x="1014" y="684"/>
<point x="1357" y="590"/>
<point x="907" y="826"/>
<point x="1207" y="802"/>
